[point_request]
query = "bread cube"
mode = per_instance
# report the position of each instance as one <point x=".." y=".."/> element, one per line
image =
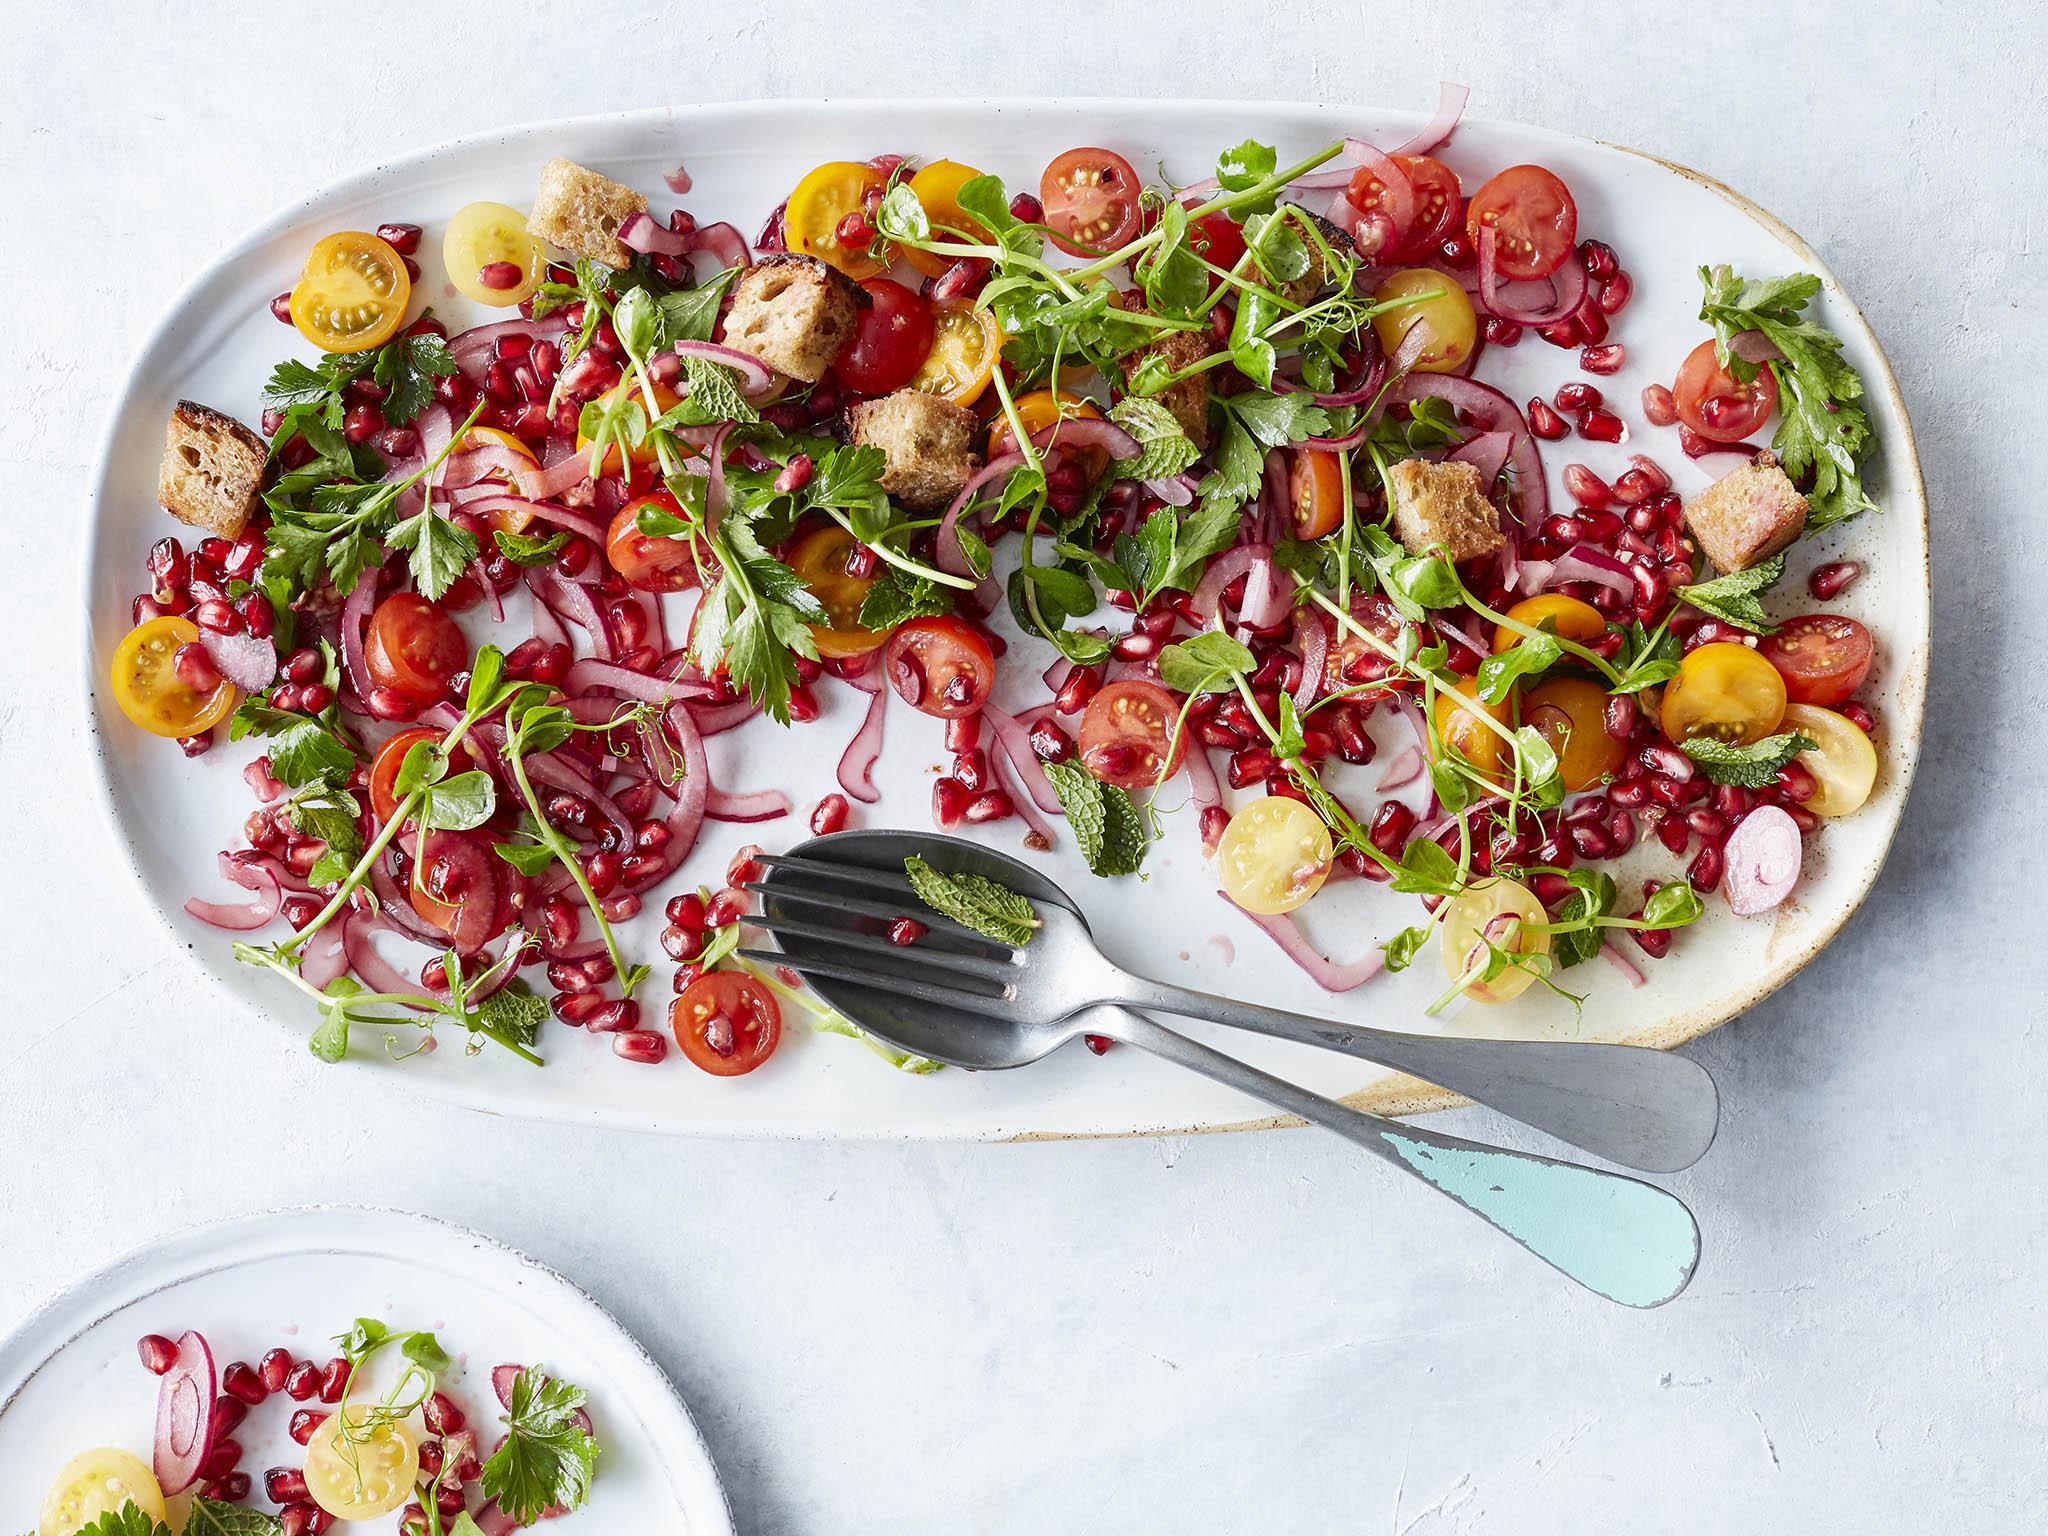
<point x="212" y="470"/>
<point x="926" y="442"/>
<point x="578" y="211"/>
<point x="794" y="313"/>
<point x="1747" y="515"/>
<point x="1442" y="505"/>
<point x="1188" y="399"/>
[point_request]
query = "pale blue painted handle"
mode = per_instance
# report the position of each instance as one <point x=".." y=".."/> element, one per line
<point x="1629" y="1241"/>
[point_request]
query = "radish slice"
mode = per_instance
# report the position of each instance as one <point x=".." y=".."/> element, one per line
<point x="184" y="1415"/>
<point x="248" y="661"/>
<point x="1763" y="852"/>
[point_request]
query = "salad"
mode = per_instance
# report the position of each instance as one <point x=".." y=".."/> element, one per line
<point x="406" y="1447"/>
<point x="1211" y="469"/>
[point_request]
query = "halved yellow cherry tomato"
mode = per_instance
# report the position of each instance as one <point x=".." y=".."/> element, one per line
<point x="1571" y="714"/>
<point x="1448" y="327"/>
<point x="352" y="293"/>
<point x="1568" y="616"/>
<point x="1458" y="725"/>
<point x="821" y="560"/>
<point x="1040" y="409"/>
<point x="1274" y="855"/>
<point x="644" y="456"/>
<point x="1490" y="910"/>
<point x="966" y="343"/>
<point x="371" y="1475"/>
<point x="511" y="519"/>
<point x="938" y="188"/>
<point x="149" y="690"/>
<point x="820" y="203"/>
<point x="486" y="241"/>
<point x="1726" y="691"/>
<point x="1843" y="763"/>
<point x="96" y="1483"/>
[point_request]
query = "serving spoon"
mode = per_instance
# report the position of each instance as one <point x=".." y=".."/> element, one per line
<point x="1618" y="1236"/>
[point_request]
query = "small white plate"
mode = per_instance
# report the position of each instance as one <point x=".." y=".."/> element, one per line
<point x="219" y="342"/>
<point x="70" y="1378"/>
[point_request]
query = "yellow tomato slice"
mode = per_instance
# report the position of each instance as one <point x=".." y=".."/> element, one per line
<point x="644" y="455"/>
<point x="820" y="560"/>
<point x="352" y="293"/>
<point x="1446" y="327"/>
<point x="482" y="241"/>
<point x="966" y="344"/>
<point x="821" y="201"/>
<point x="1569" y="618"/>
<point x="1724" y="690"/>
<point x="96" y="1483"/>
<point x="369" y="1474"/>
<point x="1487" y="910"/>
<point x="1274" y="855"/>
<point x="938" y="188"/>
<point x="149" y="690"/>
<point x="1843" y="762"/>
<point x="1571" y="714"/>
<point x="1459" y="725"/>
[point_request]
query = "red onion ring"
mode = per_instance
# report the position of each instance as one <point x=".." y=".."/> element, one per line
<point x="571" y="600"/>
<point x="469" y="466"/>
<point x="1174" y="490"/>
<point x="756" y="377"/>
<point x="1450" y="106"/>
<point x="1323" y="971"/>
<point x="1586" y="562"/>
<point x="395" y="907"/>
<point x="1222" y="571"/>
<point x="355" y="613"/>
<point x="1402" y="770"/>
<point x="641" y="232"/>
<point x="475" y="349"/>
<point x="325" y="955"/>
<point x="1488" y="453"/>
<point x="242" y="917"/>
<point x="590" y="674"/>
<point x="1016" y="745"/>
<point x="1312" y="639"/>
<point x="726" y="245"/>
<point x="550" y="482"/>
<point x="1508" y="299"/>
<point x="1036" y="824"/>
<point x="1621" y="963"/>
<point x="952" y="558"/>
<point x="1493" y="410"/>
<point x="371" y="968"/>
<point x="857" y="762"/>
<point x="753" y="805"/>
<point x="546" y="511"/>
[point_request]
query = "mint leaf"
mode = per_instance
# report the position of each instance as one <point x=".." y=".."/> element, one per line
<point x="1753" y="766"/>
<point x="212" y="1517"/>
<point x="1106" y="824"/>
<point x="1733" y="598"/>
<point x="128" y="1520"/>
<point x="1164" y="448"/>
<point x="975" y="902"/>
<point x="522" y="549"/>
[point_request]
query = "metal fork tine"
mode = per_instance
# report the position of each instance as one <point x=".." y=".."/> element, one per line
<point x="850" y="874"/>
<point x="835" y="902"/>
<point x="880" y="981"/>
<point x="906" y="955"/>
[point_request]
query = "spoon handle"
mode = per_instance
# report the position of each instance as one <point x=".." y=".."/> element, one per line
<point x="1617" y="1236"/>
<point x="1641" y="1108"/>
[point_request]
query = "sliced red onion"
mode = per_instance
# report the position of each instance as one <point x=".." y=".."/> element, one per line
<point x="1016" y="744"/>
<point x="1755" y="347"/>
<point x="1312" y="639"/>
<point x="492" y="1520"/>
<point x="1450" y="106"/>
<point x="476" y="349"/>
<point x="1458" y="631"/>
<point x="1371" y="379"/>
<point x="857" y="762"/>
<point x="371" y="968"/>
<point x="946" y="543"/>
<point x="1487" y="453"/>
<point x="550" y="482"/>
<point x="677" y="180"/>
<point x="1543" y="302"/>
<point x="1034" y="821"/>
<point x="185" y="1415"/>
<point x="248" y="661"/>
<point x="1323" y="971"/>
<point x="545" y="511"/>
<point x="1492" y="410"/>
<point x="1764" y="853"/>
<point x="571" y="600"/>
<point x="589" y="674"/>
<point x="725" y="245"/>
<point x="325" y="955"/>
<point x="355" y="613"/>
<point x="1403" y="769"/>
<point x="1088" y="432"/>
<point x="1344" y="444"/>
<point x="1222" y="571"/>
<point x="717" y="719"/>
<point x="1174" y="490"/>
<point x="753" y="805"/>
<point x="1534" y="576"/>
<point x="641" y="232"/>
<point x="756" y="377"/>
<point x="555" y="771"/>
<point x="242" y="917"/>
<point x="395" y="908"/>
<point x="1202" y="778"/>
<point x="489" y="458"/>
<point x="1588" y="562"/>
<point x="1621" y="963"/>
<point x="1265" y="596"/>
<point x="1397" y="192"/>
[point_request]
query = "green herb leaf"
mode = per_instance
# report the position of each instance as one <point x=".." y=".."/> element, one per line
<point x="212" y="1517"/>
<point x="1240" y="168"/>
<point x="128" y="1520"/>
<point x="513" y="1012"/>
<point x="896" y="598"/>
<point x="1733" y="598"/>
<point x="976" y="902"/>
<point x="1753" y="766"/>
<point x="1205" y="663"/>
<point x="1165" y="449"/>
<point x="1106" y="824"/>
<point x="1498" y="673"/>
<point x="691" y="314"/>
<point x="460" y="803"/>
<point x="407" y="366"/>
<point x="1400" y="950"/>
<point x="547" y="1458"/>
<point x="1673" y="905"/>
<point x="329" y="1042"/>
<point x="424" y="1351"/>
<point x="1427" y="870"/>
<point x="1592" y="898"/>
<point x="524" y="549"/>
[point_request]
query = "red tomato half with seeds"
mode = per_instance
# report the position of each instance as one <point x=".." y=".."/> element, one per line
<point x="941" y="666"/>
<point x="390" y="758"/>
<point x="890" y="341"/>
<point x="1823" y="657"/>
<point x="1218" y="241"/>
<point x="1127" y="736"/>
<point x="413" y="647"/>
<point x="653" y="563"/>
<point x="727" y="1023"/>
<point x="1091" y="201"/>
<point x="1716" y="404"/>
<point x="1533" y="217"/>
<point x="1436" y="204"/>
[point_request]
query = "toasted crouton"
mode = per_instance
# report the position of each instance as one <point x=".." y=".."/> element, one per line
<point x="1441" y="506"/>
<point x="925" y="441"/>
<point x="1189" y="398"/>
<point x="1317" y="277"/>
<point x="1747" y="515"/>
<point x="794" y="313"/>
<point x="212" y="471"/>
<point x="579" y="211"/>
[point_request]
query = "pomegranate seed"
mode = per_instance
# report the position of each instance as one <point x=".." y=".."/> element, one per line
<point x="646" y="1046"/>
<point x="1081" y="685"/>
<point x="1659" y="407"/>
<point x="676" y="943"/>
<point x="1135" y="647"/>
<point x="218" y="615"/>
<point x="1606" y="358"/>
<point x="651" y="836"/>
<point x="963" y="733"/>
<point x="829" y="815"/>
<point x="1545" y="422"/>
<point x="906" y="931"/>
<point x="686" y="911"/>
<point x="1654" y="942"/>
<point x="1027" y="209"/>
<point x="1830" y="581"/>
<point x="274" y="1367"/>
<point x="442" y="1416"/>
<point x="1705" y="870"/>
<point x="502" y="275"/>
<point x="240" y="1380"/>
<point x="333" y="1381"/>
<point x="233" y="1487"/>
<point x="158" y="1353"/>
<point x="1576" y="396"/>
<point x="1598" y="258"/>
<point x="284" y="1485"/>
<point x="1049" y="743"/>
<point x="402" y="238"/>
<point x="389" y="704"/>
<point x="728" y="906"/>
<point x="194" y="668"/>
<point x="1615" y="293"/>
<point x="1099" y="1044"/>
<point x="1215" y="821"/>
<point x="1590" y="322"/>
<point x="296" y="1519"/>
<point x="306" y="1421"/>
<point x="221" y="1458"/>
<point x="949" y="802"/>
<point x="1602" y="427"/>
<point x="281" y="308"/>
<point x="228" y="1413"/>
<point x="993" y="806"/>
<point x="1796" y="783"/>
<point x="613" y="1016"/>
<point x="1502" y="333"/>
<point x="743" y="867"/>
<point x="971" y="769"/>
<point x="302" y="1382"/>
<point x="796" y="474"/>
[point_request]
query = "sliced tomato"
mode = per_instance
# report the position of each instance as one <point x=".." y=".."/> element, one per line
<point x="815" y="217"/>
<point x="1435" y="211"/>
<point x="890" y="341"/>
<point x="1091" y="201"/>
<point x="1571" y="714"/>
<point x="414" y="647"/>
<point x="839" y="570"/>
<point x="147" y="686"/>
<point x="651" y="562"/>
<point x="1716" y="404"/>
<point x="1127" y="736"/>
<point x="1218" y="241"/>
<point x="966" y="344"/>
<point x="941" y="666"/>
<point x="938" y="188"/>
<point x="1823" y="657"/>
<point x="644" y="456"/>
<point x="727" y="1023"/>
<point x="352" y="293"/>
<point x="456" y="883"/>
<point x="1726" y="691"/>
<point x="1567" y="617"/>
<point x="491" y="256"/>
<point x="1533" y="217"/>
<point x="1316" y="492"/>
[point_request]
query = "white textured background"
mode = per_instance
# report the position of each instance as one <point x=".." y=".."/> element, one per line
<point x="1224" y="1334"/>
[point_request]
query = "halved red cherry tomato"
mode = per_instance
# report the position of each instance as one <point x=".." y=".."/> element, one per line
<point x="391" y="757"/>
<point x="826" y="560"/>
<point x="1823" y="657"/>
<point x="941" y="666"/>
<point x="1532" y="214"/>
<point x="1316" y="487"/>
<point x="352" y="293"/>
<point x="1218" y="241"/>
<point x="1716" y="404"/>
<point x="1127" y="736"/>
<point x="456" y="886"/>
<point x="1091" y="201"/>
<point x="727" y="1023"/>
<point x="1352" y="662"/>
<point x="890" y="342"/>
<point x="1435" y="213"/>
<point x="653" y="563"/>
<point x="414" y="647"/>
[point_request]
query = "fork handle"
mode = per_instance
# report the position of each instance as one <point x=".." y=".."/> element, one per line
<point x="1623" y="1239"/>
<point x="1637" y="1107"/>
